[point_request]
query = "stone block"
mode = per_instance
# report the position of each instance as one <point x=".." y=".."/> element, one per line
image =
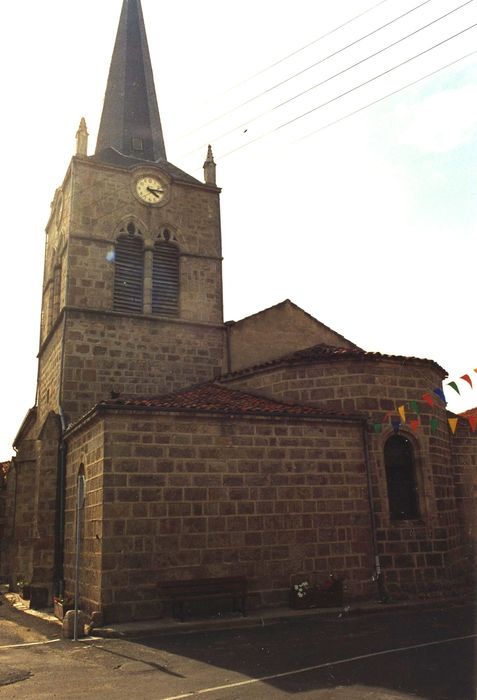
<point x="69" y="623"/>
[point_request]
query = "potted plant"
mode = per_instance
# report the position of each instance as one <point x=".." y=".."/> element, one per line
<point x="61" y="605"/>
<point x="327" y="595"/>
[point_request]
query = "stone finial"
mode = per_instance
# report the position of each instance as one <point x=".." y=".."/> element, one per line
<point x="209" y="168"/>
<point x="82" y="139"/>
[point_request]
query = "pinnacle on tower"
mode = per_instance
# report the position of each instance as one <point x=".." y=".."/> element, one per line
<point x="130" y="122"/>
<point x="210" y="168"/>
<point x="82" y="139"/>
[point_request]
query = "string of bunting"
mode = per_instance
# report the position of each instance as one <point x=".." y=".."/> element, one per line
<point x="429" y="399"/>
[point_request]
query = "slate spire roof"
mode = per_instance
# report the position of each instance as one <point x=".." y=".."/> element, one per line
<point x="130" y="123"/>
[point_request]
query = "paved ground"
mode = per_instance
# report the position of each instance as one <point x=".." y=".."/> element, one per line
<point x="426" y="654"/>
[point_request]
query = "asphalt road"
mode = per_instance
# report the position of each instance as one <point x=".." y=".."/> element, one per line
<point x="422" y="654"/>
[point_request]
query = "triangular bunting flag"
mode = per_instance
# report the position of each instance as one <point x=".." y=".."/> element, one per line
<point x="415" y="407"/>
<point x="434" y="424"/>
<point x="472" y="422"/>
<point x="402" y="413"/>
<point x="438" y="392"/>
<point x="414" y="424"/>
<point x="428" y="399"/>
<point x="454" y="386"/>
<point x="377" y="427"/>
<point x="453" y="424"/>
<point x="396" y="424"/>
<point x="467" y="379"/>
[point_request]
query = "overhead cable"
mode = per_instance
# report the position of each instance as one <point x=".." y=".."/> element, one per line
<point x="307" y="46"/>
<point x="385" y="97"/>
<point x="356" y="87"/>
<point x="336" y="75"/>
<point x="313" y="65"/>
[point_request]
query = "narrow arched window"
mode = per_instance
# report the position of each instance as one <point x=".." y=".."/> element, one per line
<point x="165" y="278"/>
<point x="401" y="479"/>
<point x="129" y="270"/>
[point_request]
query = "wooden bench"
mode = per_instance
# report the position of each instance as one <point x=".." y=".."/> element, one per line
<point x="181" y="592"/>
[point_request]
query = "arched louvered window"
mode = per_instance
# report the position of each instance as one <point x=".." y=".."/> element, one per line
<point x="129" y="271"/>
<point x="401" y="479"/>
<point x="165" y="278"/>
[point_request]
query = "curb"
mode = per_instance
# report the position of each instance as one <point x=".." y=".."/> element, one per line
<point x="171" y="627"/>
<point x="261" y="618"/>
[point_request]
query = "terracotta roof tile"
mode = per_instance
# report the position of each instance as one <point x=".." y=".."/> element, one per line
<point x="214" y="398"/>
<point x="323" y="352"/>
<point x="468" y="414"/>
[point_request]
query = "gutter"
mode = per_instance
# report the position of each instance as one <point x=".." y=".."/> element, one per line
<point x="378" y="576"/>
<point x="101" y="408"/>
<point x="58" y="572"/>
<point x="228" y="344"/>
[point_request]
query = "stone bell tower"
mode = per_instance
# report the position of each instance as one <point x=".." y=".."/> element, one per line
<point x="132" y="292"/>
<point x="133" y="282"/>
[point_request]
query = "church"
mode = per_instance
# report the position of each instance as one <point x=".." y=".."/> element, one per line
<point x="272" y="448"/>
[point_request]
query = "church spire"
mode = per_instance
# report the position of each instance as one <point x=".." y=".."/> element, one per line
<point x="130" y="122"/>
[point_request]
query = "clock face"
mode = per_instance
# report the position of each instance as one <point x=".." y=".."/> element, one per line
<point x="150" y="189"/>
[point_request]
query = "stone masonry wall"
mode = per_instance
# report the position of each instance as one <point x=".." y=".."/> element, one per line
<point x="3" y="521"/>
<point x="275" y="332"/>
<point x="133" y="355"/>
<point x="45" y="499"/>
<point x="103" y="200"/>
<point x="191" y="496"/>
<point x="49" y="374"/>
<point x="90" y="350"/>
<point x="417" y="555"/>
<point x="20" y="515"/>
<point x="464" y="457"/>
<point x="86" y="450"/>
<point x="30" y="516"/>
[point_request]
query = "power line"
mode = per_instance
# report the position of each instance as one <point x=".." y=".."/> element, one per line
<point x="322" y="60"/>
<point x="285" y="58"/>
<point x="335" y="75"/>
<point x="307" y="46"/>
<point x="356" y="87"/>
<point x="385" y="97"/>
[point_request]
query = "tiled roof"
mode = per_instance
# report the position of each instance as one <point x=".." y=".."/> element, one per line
<point x="469" y="414"/>
<point x="324" y="353"/>
<point x="213" y="398"/>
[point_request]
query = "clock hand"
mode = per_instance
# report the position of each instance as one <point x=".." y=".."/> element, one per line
<point x="154" y="191"/>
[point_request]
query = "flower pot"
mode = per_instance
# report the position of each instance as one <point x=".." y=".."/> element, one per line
<point x="300" y="603"/>
<point x="318" y="597"/>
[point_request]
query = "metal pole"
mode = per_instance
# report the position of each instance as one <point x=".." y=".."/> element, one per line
<point x="379" y="576"/>
<point x="80" y="492"/>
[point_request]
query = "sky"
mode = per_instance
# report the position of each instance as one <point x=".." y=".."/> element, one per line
<point x="342" y="189"/>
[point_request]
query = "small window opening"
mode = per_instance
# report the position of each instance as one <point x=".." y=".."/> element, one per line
<point x="400" y="477"/>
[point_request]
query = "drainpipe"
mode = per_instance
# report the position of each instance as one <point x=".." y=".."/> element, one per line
<point x="378" y="575"/>
<point x="228" y="350"/>
<point x="60" y="510"/>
